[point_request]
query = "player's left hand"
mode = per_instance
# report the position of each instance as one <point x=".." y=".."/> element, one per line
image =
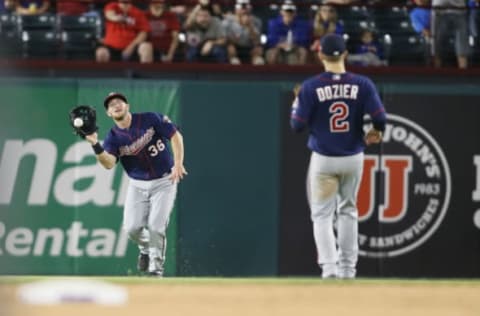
<point x="88" y="116"/>
<point x="296" y="89"/>
<point x="373" y="136"/>
<point x="178" y="172"/>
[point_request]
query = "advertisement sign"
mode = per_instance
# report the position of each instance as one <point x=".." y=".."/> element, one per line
<point x="415" y="184"/>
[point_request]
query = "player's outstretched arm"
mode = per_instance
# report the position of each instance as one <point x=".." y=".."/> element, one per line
<point x="106" y="160"/>
<point x="178" y="170"/>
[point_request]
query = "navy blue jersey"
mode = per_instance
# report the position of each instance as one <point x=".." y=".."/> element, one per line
<point x="142" y="148"/>
<point x="332" y="106"/>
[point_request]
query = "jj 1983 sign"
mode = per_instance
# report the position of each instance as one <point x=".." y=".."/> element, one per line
<point x="405" y="190"/>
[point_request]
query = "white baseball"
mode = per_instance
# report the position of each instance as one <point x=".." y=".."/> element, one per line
<point x="78" y="122"/>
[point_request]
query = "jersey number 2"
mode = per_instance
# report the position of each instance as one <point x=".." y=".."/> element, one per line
<point x="338" y="120"/>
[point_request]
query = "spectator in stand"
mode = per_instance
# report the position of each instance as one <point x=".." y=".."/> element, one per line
<point x="288" y="37"/>
<point x="164" y="26"/>
<point x="421" y="18"/>
<point x="450" y="16"/>
<point x="325" y="22"/>
<point x="126" y="31"/>
<point x="473" y="6"/>
<point x="343" y="2"/>
<point x="7" y="6"/>
<point x="206" y="37"/>
<point x="32" y="7"/>
<point x="215" y="8"/>
<point x="370" y="2"/>
<point x="243" y="31"/>
<point x="369" y="52"/>
<point x="182" y="8"/>
<point x="421" y="23"/>
<point x="75" y="7"/>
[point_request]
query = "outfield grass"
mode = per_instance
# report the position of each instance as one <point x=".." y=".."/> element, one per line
<point x="243" y="280"/>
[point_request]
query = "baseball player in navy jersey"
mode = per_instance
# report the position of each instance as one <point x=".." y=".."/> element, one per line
<point x="139" y="142"/>
<point x="332" y="106"/>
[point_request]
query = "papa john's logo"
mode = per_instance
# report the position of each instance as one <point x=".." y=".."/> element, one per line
<point x="405" y="190"/>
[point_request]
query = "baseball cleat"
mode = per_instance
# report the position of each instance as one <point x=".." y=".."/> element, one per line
<point x="142" y="262"/>
<point x="156" y="273"/>
<point x="347" y="273"/>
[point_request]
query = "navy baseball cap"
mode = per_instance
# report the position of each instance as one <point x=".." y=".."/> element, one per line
<point x="113" y="95"/>
<point x="332" y="45"/>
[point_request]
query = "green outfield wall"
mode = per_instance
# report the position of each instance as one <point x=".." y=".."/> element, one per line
<point x="229" y="204"/>
<point x="242" y="209"/>
<point x="60" y="212"/>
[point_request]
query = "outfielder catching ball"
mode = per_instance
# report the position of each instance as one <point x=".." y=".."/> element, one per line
<point x="139" y="141"/>
<point x="332" y="105"/>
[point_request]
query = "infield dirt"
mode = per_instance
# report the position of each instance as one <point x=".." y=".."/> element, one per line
<point x="333" y="298"/>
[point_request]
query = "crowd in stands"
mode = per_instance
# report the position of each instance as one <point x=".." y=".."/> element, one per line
<point x="237" y="32"/>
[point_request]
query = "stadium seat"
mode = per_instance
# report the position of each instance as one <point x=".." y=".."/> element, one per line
<point x="353" y="13"/>
<point x="263" y="13"/>
<point x="39" y="44"/>
<point x="80" y="23"/>
<point x="475" y="51"/>
<point x="353" y="30"/>
<point x="8" y="23"/>
<point x="9" y="38"/>
<point x="389" y="13"/>
<point x="11" y="44"/>
<point x="356" y="26"/>
<point x="355" y="20"/>
<point x="78" y="45"/>
<point x="395" y="26"/>
<point x="406" y="49"/>
<point x="45" y="22"/>
<point x="79" y="36"/>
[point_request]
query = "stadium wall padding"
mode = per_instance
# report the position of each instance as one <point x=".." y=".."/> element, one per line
<point x="228" y="220"/>
<point x="242" y="209"/>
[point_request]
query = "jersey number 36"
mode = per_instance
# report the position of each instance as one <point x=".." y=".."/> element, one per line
<point x="155" y="149"/>
<point x="338" y="119"/>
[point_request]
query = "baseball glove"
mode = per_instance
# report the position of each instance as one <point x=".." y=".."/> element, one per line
<point x="89" y="117"/>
